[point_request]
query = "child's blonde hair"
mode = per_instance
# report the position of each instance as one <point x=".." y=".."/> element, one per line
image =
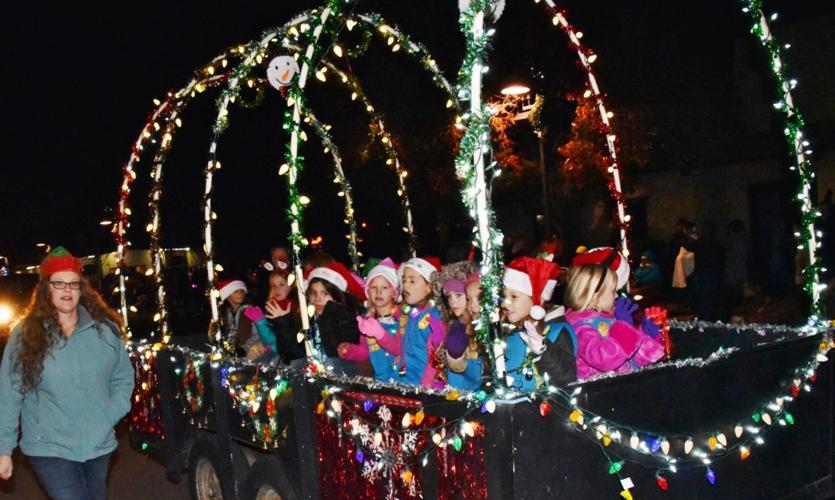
<point x="580" y="292"/>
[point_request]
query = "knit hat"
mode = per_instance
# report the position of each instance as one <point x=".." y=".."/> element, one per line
<point x="386" y="268"/>
<point x="533" y="277"/>
<point x="339" y="276"/>
<point x="603" y="255"/>
<point x="60" y="259"/>
<point x="460" y="272"/>
<point x="229" y="286"/>
<point x="424" y="266"/>
<point x="454" y="285"/>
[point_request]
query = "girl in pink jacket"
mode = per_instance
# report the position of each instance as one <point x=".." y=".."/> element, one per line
<point x="607" y="340"/>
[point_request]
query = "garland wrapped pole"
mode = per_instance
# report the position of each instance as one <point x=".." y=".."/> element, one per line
<point x="798" y="147"/>
<point x="294" y="162"/>
<point x="470" y="166"/>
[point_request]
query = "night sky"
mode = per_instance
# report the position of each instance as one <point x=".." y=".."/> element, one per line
<point x="80" y="80"/>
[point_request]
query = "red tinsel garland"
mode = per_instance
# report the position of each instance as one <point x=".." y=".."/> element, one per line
<point x="144" y="413"/>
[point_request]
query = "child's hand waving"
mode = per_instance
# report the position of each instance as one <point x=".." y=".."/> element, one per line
<point x="276" y="311"/>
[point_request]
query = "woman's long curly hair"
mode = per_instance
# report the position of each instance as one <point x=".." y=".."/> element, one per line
<point x="39" y="329"/>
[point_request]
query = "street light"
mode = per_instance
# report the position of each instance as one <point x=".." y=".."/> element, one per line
<point x="518" y="90"/>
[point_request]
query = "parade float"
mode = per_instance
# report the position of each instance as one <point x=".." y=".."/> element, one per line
<point x="735" y="411"/>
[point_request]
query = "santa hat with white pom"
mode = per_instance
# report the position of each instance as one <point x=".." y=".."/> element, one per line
<point x="533" y="277"/>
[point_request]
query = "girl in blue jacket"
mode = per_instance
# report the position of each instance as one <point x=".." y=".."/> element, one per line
<point x="541" y="349"/>
<point x="65" y="381"/>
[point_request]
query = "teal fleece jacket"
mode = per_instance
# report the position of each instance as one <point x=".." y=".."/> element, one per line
<point x="85" y="390"/>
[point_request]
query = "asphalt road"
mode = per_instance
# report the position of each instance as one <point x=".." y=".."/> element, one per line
<point x="133" y="475"/>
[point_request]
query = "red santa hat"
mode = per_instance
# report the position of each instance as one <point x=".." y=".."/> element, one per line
<point x="339" y="276"/>
<point x="60" y="259"/>
<point x="424" y="266"/>
<point x="533" y="277"/>
<point x="229" y="286"/>
<point x="386" y="268"/>
<point x="609" y="257"/>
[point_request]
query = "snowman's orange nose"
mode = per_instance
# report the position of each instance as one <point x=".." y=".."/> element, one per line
<point x="284" y="75"/>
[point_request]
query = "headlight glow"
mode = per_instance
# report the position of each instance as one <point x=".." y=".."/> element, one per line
<point x="6" y="314"/>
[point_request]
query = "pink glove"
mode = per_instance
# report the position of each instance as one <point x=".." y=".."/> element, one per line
<point x="254" y="314"/>
<point x="371" y="327"/>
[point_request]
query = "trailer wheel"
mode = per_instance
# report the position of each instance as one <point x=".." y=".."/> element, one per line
<point x="203" y="467"/>
<point x="267" y="481"/>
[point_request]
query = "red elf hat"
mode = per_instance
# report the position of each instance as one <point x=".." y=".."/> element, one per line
<point x="60" y="259"/>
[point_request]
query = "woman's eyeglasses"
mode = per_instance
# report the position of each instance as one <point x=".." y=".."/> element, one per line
<point x="60" y="285"/>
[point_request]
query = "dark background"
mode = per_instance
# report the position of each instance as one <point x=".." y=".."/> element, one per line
<point x="80" y="78"/>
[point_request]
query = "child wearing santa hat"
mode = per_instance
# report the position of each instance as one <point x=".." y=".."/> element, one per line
<point x="541" y="348"/>
<point x="382" y="287"/>
<point x="421" y="329"/>
<point x="607" y="340"/>
<point x="239" y="329"/>
<point x="459" y="355"/>
<point x="336" y="296"/>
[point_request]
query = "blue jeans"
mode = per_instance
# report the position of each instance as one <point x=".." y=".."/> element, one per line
<point x="67" y="480"/>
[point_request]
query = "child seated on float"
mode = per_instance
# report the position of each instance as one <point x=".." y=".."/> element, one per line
<point x="337" y="300"/>
<point x="541" y="349"/>
<point x="382" y="287"/>
<point x="421" y="330"/>
<point x="472" y="289"/>
<point x="237" y="328"/>
<point x="459" y="355"/>
<point x="279" y="327"/>
<point x="607" y="339"/>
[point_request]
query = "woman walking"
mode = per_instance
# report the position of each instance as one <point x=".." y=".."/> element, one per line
<point x="65" y="381"/>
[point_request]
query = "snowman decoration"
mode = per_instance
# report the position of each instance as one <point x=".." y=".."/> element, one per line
<point x="497" y="7"/>
<point x="281" y="71"/>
